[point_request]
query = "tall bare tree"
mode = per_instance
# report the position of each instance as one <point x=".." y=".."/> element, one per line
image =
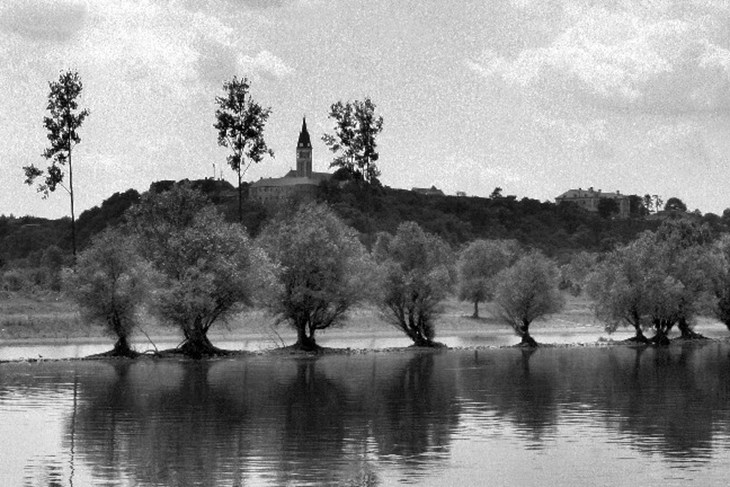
<point x="62" y="124"/>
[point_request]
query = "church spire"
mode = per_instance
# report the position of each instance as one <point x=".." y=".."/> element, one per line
<point x="304" y="152"/>
<point x="304" y="141"/>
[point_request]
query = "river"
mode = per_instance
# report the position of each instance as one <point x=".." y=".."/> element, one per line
<point x="556" y="416"/>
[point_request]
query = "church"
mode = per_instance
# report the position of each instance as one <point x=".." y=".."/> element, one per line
<point x="300" y="182"/>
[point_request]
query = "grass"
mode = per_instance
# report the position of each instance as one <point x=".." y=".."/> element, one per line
<point x="51" y="316"/>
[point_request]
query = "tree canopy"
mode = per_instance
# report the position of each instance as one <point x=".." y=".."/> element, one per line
<point x="353" y="139"/>
<point x="324" y="270"/>
<point x="528" y="290"/>
<point x="478" y="265"/>
<point x="240" y="122"/>
<point x="416" y="276"/>
<point x="660" y="280"/>
<point x="208" y="268"/>
<point x="110" y="282"/>
<point x="675" y="204"/>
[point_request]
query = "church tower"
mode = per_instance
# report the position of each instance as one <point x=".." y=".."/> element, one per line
<point x="304" y="152"/>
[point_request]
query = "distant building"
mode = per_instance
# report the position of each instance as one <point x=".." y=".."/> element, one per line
<point x="461" y="194"/>
<point x="433" y="190"/>
<point x="300" y="182"/>
<point x="588" y="200"/>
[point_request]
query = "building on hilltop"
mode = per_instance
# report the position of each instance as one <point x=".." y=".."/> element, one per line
<point x="301" y="181"/>
<point x="433" y="190"/>
<point x="588" y="200"/>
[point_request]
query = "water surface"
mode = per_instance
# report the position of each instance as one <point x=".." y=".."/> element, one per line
<point x="560" y="416"/>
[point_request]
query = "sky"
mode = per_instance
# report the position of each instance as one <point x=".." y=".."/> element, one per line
<point x="533" y="96"/>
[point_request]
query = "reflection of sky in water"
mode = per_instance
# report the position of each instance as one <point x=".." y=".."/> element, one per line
<point x="557" y="416"/>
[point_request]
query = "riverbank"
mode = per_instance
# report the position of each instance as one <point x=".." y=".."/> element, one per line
<point x="28" y="318"/>
<point x="49" y="328"/>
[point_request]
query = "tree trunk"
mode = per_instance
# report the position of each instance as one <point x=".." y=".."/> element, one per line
<point x="687" y="332"/>
<point x="523" y="331"/>
<point x="476" y="310"/>
<point x="660" y="339"/>
<point x="305" y="342"/>
<point x="197" y="345"/>
<point x="71" y="194"/>
<point x="639" y="337"/>
<point x="240" y="193"/>
<point x="122" y="349"/>
<point x="528" y="341"/>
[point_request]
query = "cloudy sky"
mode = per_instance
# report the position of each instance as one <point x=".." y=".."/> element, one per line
<point x="534" y="96"/>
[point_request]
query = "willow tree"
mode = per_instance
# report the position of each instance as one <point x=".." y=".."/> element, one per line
<point x="617" y="287"/>
<point x="323" y="271"/>
<point x="416" y="276"/>
<point x="478" y="265"/>
<point x="208" y="268"/>
<point x="62" y="124"/>
<point x="528" y="290"/>
<point x="661" y="280"/>
<point x="240" y="122"/>
<point x="110" y="283"/>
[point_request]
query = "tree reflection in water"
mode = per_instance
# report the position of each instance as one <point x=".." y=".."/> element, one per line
<point x="658" y="400"/>
<point x="351" y="419"/>
<point x="159" y="424"/>
<point x="671" y="399"/>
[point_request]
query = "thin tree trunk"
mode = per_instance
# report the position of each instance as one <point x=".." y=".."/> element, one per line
<point x="240" y="194"/>
<point x="73" y="215"/>
<point x="476" y="310"/>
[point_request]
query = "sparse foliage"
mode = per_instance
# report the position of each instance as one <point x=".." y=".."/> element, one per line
<point x="417" y="274"/>
<point x="62" y="125"/>
<point x="324" y="270"/>
<point x="528" y="290"/>
<point x="353" y="141"/>
<point x="240" y="122"/>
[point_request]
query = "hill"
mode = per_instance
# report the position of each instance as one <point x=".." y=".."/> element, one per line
<point x="558" y="230"/>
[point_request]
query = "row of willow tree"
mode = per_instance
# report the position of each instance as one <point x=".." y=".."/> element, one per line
<point x="176" y="257"/>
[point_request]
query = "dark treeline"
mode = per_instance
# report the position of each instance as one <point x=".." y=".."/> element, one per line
<point x="557" y="230"/>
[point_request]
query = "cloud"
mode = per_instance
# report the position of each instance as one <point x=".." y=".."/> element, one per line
<point x="265" y="64"/>
<point x="662" y="59"/>
<point x="43" y="20"/>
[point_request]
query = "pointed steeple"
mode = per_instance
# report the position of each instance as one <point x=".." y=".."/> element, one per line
<point x="304" y="141"/>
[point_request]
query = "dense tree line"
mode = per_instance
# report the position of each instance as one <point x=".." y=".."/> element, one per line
<point x="175" y="255"/>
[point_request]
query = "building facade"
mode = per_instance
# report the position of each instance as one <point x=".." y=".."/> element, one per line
<point x="299" y="182"/>
<point x="588" y="200"/>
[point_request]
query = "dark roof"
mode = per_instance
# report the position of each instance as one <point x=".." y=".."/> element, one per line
<point x="433" y="190"/>
<point x="304" y="141"/>
<point x="589" y="193"/>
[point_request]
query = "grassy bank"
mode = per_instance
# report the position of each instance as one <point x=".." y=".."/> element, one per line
<point x="51" y="316"/>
